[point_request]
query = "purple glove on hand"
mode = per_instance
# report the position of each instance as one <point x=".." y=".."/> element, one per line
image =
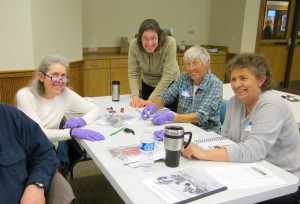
<point x="87" y="134"/>
<point x="74" y="122"/>
<point x="159" y="135"/>
<point x="162" y="117"/>
<point x="148" y="110"/>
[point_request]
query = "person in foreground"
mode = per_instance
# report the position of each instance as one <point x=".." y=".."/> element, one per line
<point x="28" y="165"/>
<point x="47" y="100"/>
<point x="199" y="92"/>
<point x="258" y="120"/>
<point x="153" y="55"/>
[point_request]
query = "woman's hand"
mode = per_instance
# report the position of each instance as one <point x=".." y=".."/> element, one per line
<point x="136" y="102"/>
<point x="192" y="151"/>
<point x="147" y="103"/>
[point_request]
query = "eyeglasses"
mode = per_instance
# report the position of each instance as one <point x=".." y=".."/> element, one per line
<point x="149" y="39"/>
<point x="65" y="79"/>
<point x="194" y="64"/>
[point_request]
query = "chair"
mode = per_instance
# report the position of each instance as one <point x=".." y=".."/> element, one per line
<point x="223" y="110"/>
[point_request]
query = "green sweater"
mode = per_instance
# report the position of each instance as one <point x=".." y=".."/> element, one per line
<point x="158" y="69"/>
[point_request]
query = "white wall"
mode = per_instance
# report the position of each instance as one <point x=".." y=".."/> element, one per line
<point x="105" y="22"/>
<point x="16" y="50"/>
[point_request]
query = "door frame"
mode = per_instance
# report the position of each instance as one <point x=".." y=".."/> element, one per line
<point x="284" y="41"/>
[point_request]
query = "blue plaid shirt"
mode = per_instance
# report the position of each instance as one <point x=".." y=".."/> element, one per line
<point x="206" y="103"/>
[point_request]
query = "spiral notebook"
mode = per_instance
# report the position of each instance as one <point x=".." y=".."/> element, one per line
<point x="210" y="140"/>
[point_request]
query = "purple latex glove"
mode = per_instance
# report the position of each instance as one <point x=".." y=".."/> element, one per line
<point x="159" y="135"/>
<point x="162" y="117"/>
<point x="148" y="110"/>
<point x="87" y="134"/>
<point x="74" y="122"/>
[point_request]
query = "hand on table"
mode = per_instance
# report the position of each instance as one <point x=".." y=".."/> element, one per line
<point x="74" y="122"/>
<point x="162" y="117"/>
<point x="87" y="134"/>
<point x="192" y="151"/>
<point x="136" y="102"/>
<point x="148" y="110"/>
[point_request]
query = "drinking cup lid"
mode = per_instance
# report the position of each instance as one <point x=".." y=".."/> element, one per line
<point x="174" y="130"/>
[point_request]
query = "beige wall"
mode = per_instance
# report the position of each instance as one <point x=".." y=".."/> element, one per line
<point x="16" y="50"/>
<point x="250" y="26"/>
<point x="227" y="18"/>
<point x="56" y="28"/>
<point x="105" y="22"/>
<point x="236" y="25"/>
<point x="31" y="29"/>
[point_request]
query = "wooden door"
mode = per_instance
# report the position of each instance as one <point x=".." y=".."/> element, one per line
<point x="293" y="78"/>
<point x="279" y="16"/>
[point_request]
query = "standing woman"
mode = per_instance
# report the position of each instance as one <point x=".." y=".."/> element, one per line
<point x="47" y="100"/>
<point x="153" y="54"/>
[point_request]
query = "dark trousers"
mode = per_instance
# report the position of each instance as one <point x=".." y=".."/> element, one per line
<point x="146" y="92"/>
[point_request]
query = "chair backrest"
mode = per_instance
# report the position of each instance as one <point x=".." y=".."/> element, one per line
<point x="223" y="110"/>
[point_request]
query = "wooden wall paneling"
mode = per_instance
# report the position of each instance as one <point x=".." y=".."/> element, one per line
<point x="295" y="72"/>
<point x="97" y="82"/>
<point x="218" y="70"/>
<point x="119" y="72"/>
<point x="277" y="60"/>
<point x="76" y="76"/>
<point x="11" y="82"/>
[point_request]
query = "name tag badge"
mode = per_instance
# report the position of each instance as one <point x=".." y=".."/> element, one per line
<point x="249" y="127"/>
<point x="185" y="92"/>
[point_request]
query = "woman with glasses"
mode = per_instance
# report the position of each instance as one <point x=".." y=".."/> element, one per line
<point x="153" y="55"/>
<point x="200" y="94"/>
<point x="47" y="100"/>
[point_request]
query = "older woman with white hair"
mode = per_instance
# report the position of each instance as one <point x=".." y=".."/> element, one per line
<point x="199" y="91"/>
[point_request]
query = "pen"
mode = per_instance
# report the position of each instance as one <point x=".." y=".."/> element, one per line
<point x="258" y="170"/>
<point x="117" y="131"/>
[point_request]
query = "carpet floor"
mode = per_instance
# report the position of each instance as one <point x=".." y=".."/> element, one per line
<point x="91" y="187"/>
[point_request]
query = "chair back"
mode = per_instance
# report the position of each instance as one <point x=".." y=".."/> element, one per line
<point x="223" y="110"/>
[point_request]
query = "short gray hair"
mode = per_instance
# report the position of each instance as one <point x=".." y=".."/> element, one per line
<point x="257" y="63"/>
<point x="38" y="86"/>
<point x="197" y="52"/>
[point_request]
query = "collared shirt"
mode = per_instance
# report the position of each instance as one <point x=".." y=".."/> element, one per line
<point x="206" y="102"/>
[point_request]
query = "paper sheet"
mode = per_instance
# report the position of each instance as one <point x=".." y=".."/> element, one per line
<point x="242" y="176"/>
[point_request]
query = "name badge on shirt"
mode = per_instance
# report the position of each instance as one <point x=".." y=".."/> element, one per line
<point x="249" y="127"/>
<point x="185" y="92"/>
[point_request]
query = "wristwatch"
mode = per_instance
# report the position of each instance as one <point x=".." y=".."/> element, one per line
<point x="38" y="184"/>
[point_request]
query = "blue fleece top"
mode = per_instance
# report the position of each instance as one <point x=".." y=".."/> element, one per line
<point x="26" y="154"/>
